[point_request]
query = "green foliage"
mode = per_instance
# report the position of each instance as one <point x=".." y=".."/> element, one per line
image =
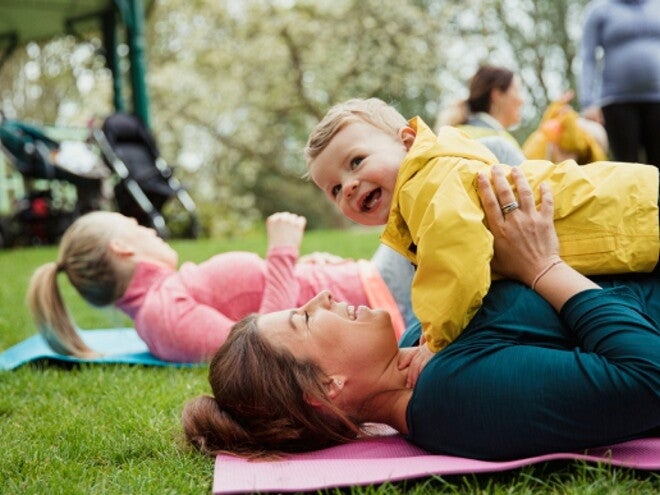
<point x="62" y="82"/>
<point x="542" y="38"/>
<point x="116" y="429"/>
<point x="254" y="79"/>
<point x="237" y="86"/>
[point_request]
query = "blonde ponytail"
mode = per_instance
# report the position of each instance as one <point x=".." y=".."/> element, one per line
<point x="50" y="315"/>
<point x="85" y="260"/>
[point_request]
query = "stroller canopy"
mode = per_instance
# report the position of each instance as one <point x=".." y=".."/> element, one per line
<point x="136" y="147"/>
<point x="146" y="180"/>
<point x="37" y="156"/>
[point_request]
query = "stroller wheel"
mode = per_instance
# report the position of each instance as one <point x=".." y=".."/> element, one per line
<point x="3" y="242"/>
<point x="194" y="229"/>
<point x="6" y="239"/>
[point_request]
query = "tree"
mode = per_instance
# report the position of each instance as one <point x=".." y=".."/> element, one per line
<point x="237" y="86"/>
<point x="271" y="74"/>
<point x="535" y="38"/>
<point x="62" y="82"/>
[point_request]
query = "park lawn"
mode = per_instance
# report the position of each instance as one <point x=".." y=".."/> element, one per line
<point x="116" y="429"/>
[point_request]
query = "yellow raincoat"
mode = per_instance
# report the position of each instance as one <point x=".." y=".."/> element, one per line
<point x="478" y="132"/>
<point x="560" y="127"/>
<point x="606" y="216"/>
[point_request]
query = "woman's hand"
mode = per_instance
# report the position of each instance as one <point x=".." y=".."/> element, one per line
<point x="525" y="240"/>
<point x="285" y="229"/>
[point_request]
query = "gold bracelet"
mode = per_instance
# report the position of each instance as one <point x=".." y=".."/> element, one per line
<point x="544" y="271"/>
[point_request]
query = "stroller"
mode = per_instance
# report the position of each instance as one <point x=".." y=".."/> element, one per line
<point x="62" y="180"/>
<point x="146" y="182"/>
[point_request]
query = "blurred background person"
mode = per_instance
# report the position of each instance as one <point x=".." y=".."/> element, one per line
<point x="562" y="135"/>
<point x="620" y="78"/>
<point x="492" y="106"/>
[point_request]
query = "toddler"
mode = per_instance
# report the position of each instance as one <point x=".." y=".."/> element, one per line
<point x="380" y="169"/>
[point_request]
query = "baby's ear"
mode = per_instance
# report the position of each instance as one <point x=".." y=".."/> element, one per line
<point x="407" y="135"/>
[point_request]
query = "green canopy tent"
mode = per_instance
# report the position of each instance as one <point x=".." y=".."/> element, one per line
<point x="22" y="21"/>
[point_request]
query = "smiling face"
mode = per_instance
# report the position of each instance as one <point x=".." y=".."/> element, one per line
<point x="353" y="342"/>
<point x="357" y="171"/>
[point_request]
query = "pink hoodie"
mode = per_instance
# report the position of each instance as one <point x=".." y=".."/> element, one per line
<point x="186" y="315"/>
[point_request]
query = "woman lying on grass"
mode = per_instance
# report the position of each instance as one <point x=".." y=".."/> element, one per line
<point x="184" y="315"/>
<point x="566" y="366"/>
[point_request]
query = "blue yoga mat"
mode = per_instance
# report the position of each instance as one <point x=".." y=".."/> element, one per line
<point x="119" y="345"/>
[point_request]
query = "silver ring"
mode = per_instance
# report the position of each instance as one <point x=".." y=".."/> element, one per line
<point x="508" y="208"/>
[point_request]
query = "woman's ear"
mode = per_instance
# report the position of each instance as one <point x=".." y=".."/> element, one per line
<point x="333" y="388"/>
<point x="407" y="135"/>
<point x="336" y="386"/>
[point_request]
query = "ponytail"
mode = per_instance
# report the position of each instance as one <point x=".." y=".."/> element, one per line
<point x="50" y="315"/>
<point x="85" y="260"/>
<point x="455" y="114"/>
<point x="213" y="431"/>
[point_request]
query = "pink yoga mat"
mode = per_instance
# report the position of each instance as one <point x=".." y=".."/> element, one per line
<point x="391" y="458"/>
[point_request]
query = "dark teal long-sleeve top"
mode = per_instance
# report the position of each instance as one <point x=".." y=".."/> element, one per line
<point x="522" y="380"/>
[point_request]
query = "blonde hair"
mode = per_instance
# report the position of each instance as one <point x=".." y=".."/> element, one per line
<point x="83" y="256"/>
<point x="373" y="111"/>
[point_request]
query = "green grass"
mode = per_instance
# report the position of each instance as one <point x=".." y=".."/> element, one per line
<point x="116" y="429"/>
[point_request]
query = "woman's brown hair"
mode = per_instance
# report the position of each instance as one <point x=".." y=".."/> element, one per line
<point x="262" y="402"/>
<point x="485" y="80"/>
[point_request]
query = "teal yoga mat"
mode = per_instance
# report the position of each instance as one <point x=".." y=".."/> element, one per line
<point x="120" y="346"/>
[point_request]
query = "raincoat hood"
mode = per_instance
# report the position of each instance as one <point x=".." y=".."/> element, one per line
<point x="450" y="143"/>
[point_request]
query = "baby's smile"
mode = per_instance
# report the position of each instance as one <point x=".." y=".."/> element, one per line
<point x="370" y="200"/>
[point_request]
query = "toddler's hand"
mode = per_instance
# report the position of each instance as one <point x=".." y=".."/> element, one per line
<point x="414" y="358"/>
<point x="285" y="229"/>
